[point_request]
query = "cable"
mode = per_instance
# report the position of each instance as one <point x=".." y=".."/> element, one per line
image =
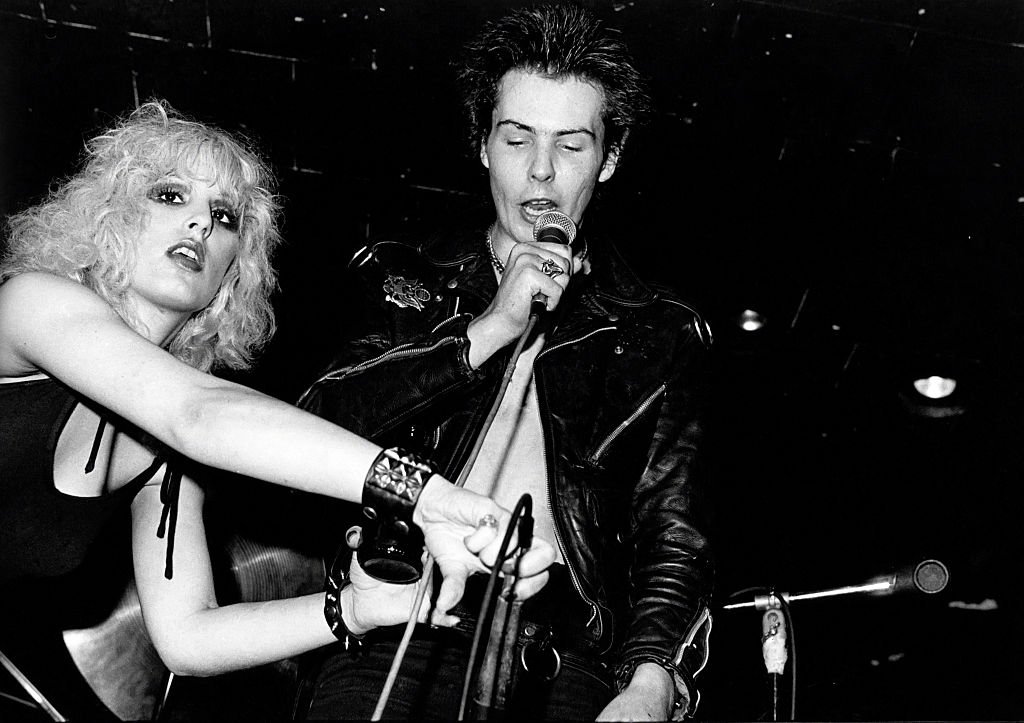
<point x="31" y="689"/>
<point x="487" y="605"/>
<point x="790" y="638"/>
<point x="428" y="564"/>
<point x="791" y="642"/>
<point x="389" y="683"/>
<point x="510" y="368"/>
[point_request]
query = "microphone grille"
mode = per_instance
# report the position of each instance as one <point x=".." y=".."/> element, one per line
<point x="931" y="576"/>
<point x="555" y="219"/>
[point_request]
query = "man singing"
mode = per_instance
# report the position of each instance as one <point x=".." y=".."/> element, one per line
<point x="601" y="422"/>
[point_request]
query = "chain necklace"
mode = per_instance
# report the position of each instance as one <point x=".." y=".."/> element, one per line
<point x="494" y="257"/>
<point x="501" y="267"/>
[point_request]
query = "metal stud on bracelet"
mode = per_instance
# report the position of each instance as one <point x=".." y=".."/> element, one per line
<point x="336" y="581"/>
<point x="392" y="545"/>
<point x="396" y="479"/>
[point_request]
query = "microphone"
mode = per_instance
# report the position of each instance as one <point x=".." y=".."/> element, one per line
<point x="552" y="227"/>
<point x="927" y="576"/>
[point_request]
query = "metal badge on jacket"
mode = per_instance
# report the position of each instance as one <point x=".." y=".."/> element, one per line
<point x="405" y="293"/>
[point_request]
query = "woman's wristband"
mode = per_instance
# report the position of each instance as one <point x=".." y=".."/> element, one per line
<point x="337" y="580"/>
<point x="392" y="546"/>
<point x="393" y="484"/>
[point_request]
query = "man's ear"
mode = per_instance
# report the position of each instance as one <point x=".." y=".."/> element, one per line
<point x="483" y="153"/>
<point x="611" y="160"/>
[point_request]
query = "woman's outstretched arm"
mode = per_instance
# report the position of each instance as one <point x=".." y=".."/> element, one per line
<point x="59" y="327"/>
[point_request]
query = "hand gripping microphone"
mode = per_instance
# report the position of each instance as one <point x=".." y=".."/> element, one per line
<point x="551" y="227"/>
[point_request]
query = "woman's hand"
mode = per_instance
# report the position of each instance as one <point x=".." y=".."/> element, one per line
<point x="463" y="531"/>
<point x="368" y="603"/>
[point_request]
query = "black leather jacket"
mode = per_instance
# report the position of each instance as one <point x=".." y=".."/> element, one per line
<point x="620" y="384"/>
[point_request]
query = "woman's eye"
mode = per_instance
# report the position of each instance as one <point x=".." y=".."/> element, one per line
<point x="168" y="195"/>
<point x="226" y="218"/>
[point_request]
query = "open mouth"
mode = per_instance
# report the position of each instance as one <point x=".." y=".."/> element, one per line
<point x="188" y="255"/>
<point x="537" y="206"/>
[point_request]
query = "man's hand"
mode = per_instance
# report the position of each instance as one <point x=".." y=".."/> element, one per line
<point x="649" y="696"/>
<point x="463" y="531"/>
<point x="524" y="277"/>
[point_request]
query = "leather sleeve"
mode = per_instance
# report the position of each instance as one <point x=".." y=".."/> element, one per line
<point x="671" y="574"/>
<point x="377" y="383"/>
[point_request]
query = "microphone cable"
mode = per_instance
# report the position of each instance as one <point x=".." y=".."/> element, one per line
<point x="428" y="565"/>
<point x="483" y="620"/>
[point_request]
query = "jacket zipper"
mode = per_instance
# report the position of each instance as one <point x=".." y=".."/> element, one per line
<point x="561" y="545"/>
<point x="704" y="616"/>
<point x="398" y="351"/>
<point x="573" y="575"/>
<point x="628" y="421"/>
<point x="567" y="342"/>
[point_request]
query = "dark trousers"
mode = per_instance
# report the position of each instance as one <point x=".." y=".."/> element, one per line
<point x="431" y="678"/>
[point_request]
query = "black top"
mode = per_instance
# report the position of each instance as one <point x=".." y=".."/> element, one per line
<point x="63" y="559"/>
<point x="44" y="532"/>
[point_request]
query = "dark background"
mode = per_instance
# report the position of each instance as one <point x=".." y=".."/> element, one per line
<point x="850" y="169"/>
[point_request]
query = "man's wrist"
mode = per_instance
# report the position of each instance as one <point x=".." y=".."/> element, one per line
<point x="680" y="699"/>
<point x="481" y="334"/>
<point x="657" y="684"/>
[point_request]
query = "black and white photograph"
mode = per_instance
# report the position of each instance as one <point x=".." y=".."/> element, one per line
<point x="610" y="360"/>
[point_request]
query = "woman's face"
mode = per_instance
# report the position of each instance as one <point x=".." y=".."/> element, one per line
<point x="188" y="242"/>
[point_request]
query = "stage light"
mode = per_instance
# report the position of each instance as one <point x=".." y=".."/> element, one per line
<point x="750" y="320"/>
<point x="935" y="387"/>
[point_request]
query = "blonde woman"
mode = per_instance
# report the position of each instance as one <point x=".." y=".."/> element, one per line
<point x="119" y="293"/>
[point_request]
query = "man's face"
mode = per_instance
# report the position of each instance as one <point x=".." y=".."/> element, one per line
<point x="544" y="152"/>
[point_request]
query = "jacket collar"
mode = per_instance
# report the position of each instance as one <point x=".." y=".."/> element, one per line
<point x="464" y="251"/>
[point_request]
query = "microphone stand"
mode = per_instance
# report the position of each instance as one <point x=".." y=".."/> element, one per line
<point x="510" y="622"/>
<point x="500" y="650"/>
<point x="929" y="576"/>
<point x="777" y="637"/>
<point x="764" y="602"/>
<point x="428" y="565"/>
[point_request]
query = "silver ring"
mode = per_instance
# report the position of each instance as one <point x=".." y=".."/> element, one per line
<point x="488" y="521"/>
<point x="552" y="269"/>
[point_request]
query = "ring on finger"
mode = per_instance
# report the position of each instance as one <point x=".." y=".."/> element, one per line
<point x="551" y="268"/>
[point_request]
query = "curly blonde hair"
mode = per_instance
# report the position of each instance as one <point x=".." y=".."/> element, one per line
<point x="86" y="229"/>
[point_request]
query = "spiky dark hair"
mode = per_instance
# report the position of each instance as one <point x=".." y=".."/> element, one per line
<point x="557" y="40"/>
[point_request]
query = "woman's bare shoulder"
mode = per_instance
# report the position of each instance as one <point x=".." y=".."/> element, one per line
<point x="37" y="305"/>
<point x="36" y="293"/>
